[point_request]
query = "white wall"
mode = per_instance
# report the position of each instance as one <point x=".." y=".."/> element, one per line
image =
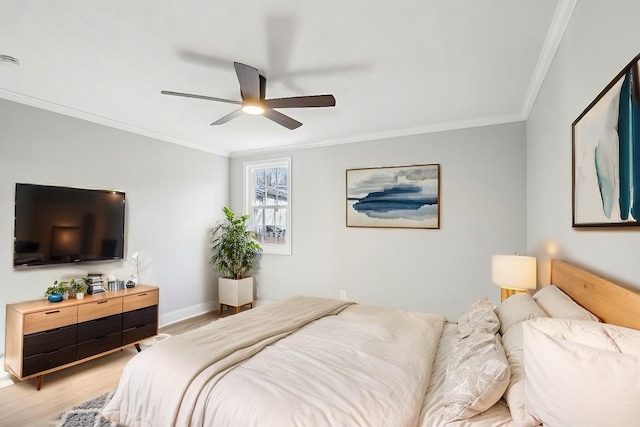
<point x="440" y="271"/>
<point x="601" y="38"/>
<point x="173" y="196"/>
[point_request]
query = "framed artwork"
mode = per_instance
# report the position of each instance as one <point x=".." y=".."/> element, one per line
<point x="606" y="155"/>
<point x="394" y="197"/>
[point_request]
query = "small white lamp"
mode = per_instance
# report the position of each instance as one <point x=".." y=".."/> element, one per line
<point x="133" y="279"/>
<point x="513" y="273"/>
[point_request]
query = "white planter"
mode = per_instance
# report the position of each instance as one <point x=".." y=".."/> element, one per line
<point x="235" y="293"/>
<point x="79" y="295"/>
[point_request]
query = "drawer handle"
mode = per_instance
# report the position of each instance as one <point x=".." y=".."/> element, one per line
<point x="142" y="295"/>
<point x="102" y="302"/>
<point x="47" y="352"/>
<point x="52" y="312"/>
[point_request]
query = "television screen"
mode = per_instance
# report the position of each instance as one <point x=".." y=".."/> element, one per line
<point x="57" y="225"/>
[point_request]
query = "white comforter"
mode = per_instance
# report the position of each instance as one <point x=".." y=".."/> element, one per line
<point x="366" y="366"/>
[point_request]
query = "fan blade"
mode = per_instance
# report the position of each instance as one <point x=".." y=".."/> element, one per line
<point x="263" y="87"/>
<point x="301" y="101"/>
<point x="249" y="81"/>
<point x="281" y="119"/>
<point x="207" y="98"/>
<point x="228" y="117"/>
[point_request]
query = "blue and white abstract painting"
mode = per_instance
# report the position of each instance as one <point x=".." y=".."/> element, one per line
<point x="606" y="140"/>
<point x="402" y="196"/>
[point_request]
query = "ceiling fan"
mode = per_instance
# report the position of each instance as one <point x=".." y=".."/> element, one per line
<point x="252" y="90"/>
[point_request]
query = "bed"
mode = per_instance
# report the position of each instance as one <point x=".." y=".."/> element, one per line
<point x="313" y="361"/>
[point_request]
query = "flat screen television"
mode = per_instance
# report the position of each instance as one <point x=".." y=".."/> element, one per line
<point x="60" y="225"/>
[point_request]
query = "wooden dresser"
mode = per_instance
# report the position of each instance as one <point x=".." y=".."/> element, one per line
<point x="42" y="337"/>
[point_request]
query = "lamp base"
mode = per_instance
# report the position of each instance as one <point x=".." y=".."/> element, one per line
<point x="506" y="293"/>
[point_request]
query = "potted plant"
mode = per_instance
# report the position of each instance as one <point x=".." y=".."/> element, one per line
<point x="79" y="287"/>
<point x="54" y="292"/>
<point x="233" y="254"/>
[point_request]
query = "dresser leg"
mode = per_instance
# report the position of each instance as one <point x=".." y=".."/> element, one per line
<point x="40" y="378"/>
<point x="138" y="347"/>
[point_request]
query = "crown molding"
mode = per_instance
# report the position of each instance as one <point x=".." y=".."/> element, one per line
<point x="394" y="133"/>
<point x="558" y="26"/>
<point x="83" y="115"/>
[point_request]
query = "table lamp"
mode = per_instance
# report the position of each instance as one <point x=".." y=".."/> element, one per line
<point x="513" y="273"/>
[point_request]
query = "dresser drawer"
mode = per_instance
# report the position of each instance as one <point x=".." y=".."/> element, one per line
<point x="50" y="319"/>
<point x="139" y="333"/>
<point x="99" y="327"/>
<point x="141" y="300"/>
<point x="98" y="309"/>
<point x="99" y="345"/>
<point x="48" y="341"/>
<point x="142" y="316"/>
<point x="43" y="361"/>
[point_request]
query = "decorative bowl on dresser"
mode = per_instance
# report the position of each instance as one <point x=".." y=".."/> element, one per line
<point x="42" y="337"/>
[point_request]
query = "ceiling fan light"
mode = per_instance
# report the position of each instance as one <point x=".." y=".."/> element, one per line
<point x="253" y="109"/>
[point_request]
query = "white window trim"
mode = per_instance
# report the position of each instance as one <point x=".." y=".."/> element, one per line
<point x="249" y="189"/>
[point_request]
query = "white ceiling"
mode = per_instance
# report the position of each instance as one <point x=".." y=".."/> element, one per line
<point x="395" y="68"/>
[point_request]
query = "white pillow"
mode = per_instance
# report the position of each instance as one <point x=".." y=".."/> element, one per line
<point x="515" y="309"/>
<point x="478" y="317"/>
<point x="514" y="395"/>
<point x="476" y="377"/>
<point x="581" y="373"/>
<point x="559" y="305"/>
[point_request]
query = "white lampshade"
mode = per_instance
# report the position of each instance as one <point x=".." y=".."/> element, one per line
<point x="513" y="271"/>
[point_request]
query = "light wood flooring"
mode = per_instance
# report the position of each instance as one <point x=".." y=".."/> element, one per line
<point x="22" y="405"/>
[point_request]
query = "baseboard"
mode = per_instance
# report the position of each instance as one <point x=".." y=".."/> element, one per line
<point x="196" y="310"/>
<point x="187" y="312"/>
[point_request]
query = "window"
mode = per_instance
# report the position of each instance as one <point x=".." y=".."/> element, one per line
<point x="267" y="187"/>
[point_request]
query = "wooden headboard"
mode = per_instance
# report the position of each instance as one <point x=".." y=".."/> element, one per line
<point x="612" y="303"/>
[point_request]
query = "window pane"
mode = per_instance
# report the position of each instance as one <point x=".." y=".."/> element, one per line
<point x="281" y="218"/>
<point x="269" y="216"/>
<point x="282" y="195"/>
<point x="260" y="196"/>
<point x="267" y="230"/>
<point x="260" y="179"/>
<point x="271" y="196"/>
<point x="282" y="176"/>
<point x="258" y="217"/>
<point x="274" y="231"/>
<point x="270" y="175"/>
